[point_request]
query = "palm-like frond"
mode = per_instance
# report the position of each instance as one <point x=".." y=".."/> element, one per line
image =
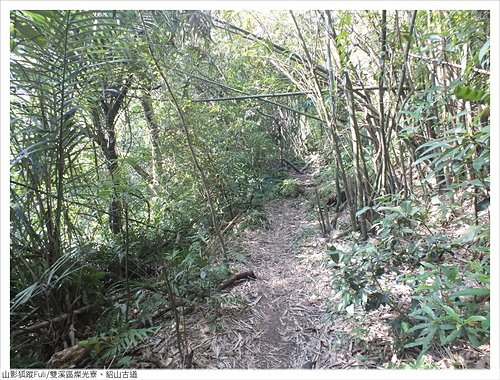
<point x="59" y="60"/>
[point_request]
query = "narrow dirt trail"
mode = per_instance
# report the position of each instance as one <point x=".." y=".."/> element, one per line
<point x="277" y="321"/>
<point x="289" y="311"/>
<point x="280" y="325"/>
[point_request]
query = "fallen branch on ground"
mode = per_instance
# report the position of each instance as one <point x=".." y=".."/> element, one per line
<point x="40" y="325"/>
<point x="69" y="358"/>
<point x="306" y="166"/>
<point x="236" y="277"/>
<point x="292" y="166"/>
<point x="200" y="295"/>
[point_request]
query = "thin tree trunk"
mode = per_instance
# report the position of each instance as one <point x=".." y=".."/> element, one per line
<point x="154" y="133"/>
<point x="104" y="124"/>
<point x="352" y="201"/>
<point x="328" y="116"/>
<point x="57" y="252"/>
<point x="357" y="153"/>
<point x="189" y="142"/>
<point x="386" y="183"/>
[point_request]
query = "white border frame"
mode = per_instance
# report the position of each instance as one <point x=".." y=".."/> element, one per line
<point x="492" y="5"/>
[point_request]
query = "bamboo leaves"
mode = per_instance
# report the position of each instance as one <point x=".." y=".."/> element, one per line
<point x="482" y="54"/>
<point x="467" y="93"/>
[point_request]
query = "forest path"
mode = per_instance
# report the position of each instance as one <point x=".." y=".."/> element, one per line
<point x="279" y="324"/>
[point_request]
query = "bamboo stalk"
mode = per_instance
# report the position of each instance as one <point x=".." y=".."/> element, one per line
<point x="190" y="145"/>
<point x="250" y="97"/>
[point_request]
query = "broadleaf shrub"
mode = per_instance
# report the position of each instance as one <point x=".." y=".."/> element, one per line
<point x="448" y="301"/>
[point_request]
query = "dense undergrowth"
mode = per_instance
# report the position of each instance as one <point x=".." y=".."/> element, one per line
<point x="428" y="253"/>
<point x="142" y="140"/>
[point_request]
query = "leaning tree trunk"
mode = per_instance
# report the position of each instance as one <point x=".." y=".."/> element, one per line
<point x="189" y="141"/>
